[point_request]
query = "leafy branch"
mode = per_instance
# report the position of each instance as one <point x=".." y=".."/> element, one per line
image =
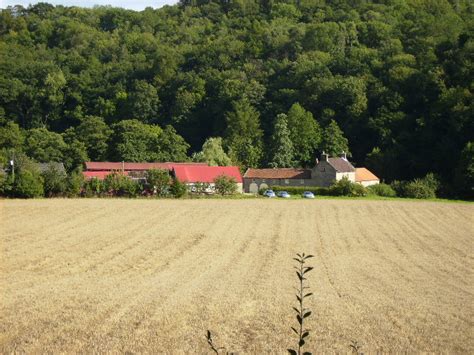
<point x="301" y="312"/>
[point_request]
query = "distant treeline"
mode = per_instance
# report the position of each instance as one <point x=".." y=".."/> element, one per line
<point x="389" y="81"/>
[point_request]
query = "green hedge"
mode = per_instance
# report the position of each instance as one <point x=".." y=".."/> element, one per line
<point x="298" y="190"/>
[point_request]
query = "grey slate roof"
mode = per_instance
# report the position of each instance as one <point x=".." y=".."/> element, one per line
<point x="341" y="165"/>
<point x="58" y="166"/>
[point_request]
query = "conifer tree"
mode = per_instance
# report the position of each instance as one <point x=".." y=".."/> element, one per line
<point x="305" y="134"/>
<point x="281" y="146"/>
<point x="334" y="141"/>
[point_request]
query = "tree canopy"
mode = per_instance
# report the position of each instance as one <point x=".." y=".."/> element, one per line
<point x="395" y="76"/>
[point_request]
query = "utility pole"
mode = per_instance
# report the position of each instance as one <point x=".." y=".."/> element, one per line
<point x="12" y="163"/>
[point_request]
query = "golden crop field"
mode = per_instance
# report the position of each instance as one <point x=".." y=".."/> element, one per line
<point x="153" y="275"/>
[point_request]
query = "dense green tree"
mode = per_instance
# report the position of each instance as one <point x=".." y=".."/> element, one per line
<point x="213" y="153"/>
<point x="75" y="153"/>
<point x="11" y="136"/>
<point x="305" y="134"/>
<point x="44" y="146"/>
<point x="244" y="136"/>
<point x="282" y="151"/>
<point x="334" y="142"/>
<point x="94" y="133"/>
<point x="143" y="102"/>
<point x="394" y="74"/>
<point x="171" y="146"/>
<point x="135" y="141"/>
<point x="28" y="184"/>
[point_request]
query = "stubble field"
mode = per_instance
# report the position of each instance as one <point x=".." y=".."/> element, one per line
<point x="152" y="276"/>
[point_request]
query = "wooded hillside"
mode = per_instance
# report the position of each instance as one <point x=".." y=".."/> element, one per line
<point x="391" y="81"/>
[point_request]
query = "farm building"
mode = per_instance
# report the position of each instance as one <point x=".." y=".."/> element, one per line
<point x="365" y="177"/>
<point x="188" y="173"/>
<point x="259" y="179"/>
<point x="324" y="173"/>
<point x="192" y="174"/>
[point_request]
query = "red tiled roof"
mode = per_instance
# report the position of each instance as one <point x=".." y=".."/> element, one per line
<point x="363" y="174"/>
<point x="283" y="173"/>
<point x="101" y="175"/>
<point x="108" y="166"/>
<point x="200" y="173"/>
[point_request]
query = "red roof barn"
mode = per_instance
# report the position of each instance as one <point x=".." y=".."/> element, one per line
<point x="200" y="173"/>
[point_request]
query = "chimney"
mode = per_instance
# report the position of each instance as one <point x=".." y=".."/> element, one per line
<point x="343" y="155"/>
<point x="324" y="156"/>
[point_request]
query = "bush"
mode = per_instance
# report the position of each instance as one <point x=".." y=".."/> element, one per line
<point x="225" y="185"/>
<point x="178" y="189"/>
<point x="345" y="187"/>
<point x="121" y="185"/>
<point x="418" y="189"/>
<point x="93" y="188"/>
<point x="75" y="183"/>
<point x="28" y="184"/>
<point x="158" y="181"/>
<point x="55" y="181"/>
<point x="298" y="190"/>
<point x="5" y="183"/>
<point x="382" y="190"/>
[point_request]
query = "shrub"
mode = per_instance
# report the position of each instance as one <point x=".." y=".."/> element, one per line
<point x="74" y="184"/>
<point x="55" y="181"/>
<point x="5" y="183"/>
<point x="225" y="185"/>
<point x="345" y="187"/>
<point x="121" y="185"/>
<point x="93" y="188"/>
<point x="382" y="190"/>
<point x="298" y="190"/>
<point x="418" y="189"/>
<point x="178" y="189"/>
<point x="358" y="190"/>
<point x="398" y="187"/>
<point x="28" y="184"/>
<point x="341" y="187"/>
<point x="158" y="181"/>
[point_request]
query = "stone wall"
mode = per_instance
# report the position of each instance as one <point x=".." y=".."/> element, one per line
<point x="324" y="174"/>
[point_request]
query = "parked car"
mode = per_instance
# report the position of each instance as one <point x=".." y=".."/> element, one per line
<point x="308" y="194"/>
<point x="283" y="194"/>
<point x="269" y="193"/>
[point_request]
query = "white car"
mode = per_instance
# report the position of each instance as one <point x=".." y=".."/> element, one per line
<point x="269" y="193"/>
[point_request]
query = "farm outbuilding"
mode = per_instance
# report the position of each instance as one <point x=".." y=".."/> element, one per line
<point x="326" y="171"/>
<point x="193" y="174"/>
<point x="188" y="173"/>
<point x="261" y="179"/>
<point x="365" y="177"/>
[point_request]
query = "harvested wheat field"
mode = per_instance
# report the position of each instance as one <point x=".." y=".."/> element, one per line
<point x="152" y="276"/>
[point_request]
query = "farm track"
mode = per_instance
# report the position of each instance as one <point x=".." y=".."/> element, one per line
<point x="152" y="276"/>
